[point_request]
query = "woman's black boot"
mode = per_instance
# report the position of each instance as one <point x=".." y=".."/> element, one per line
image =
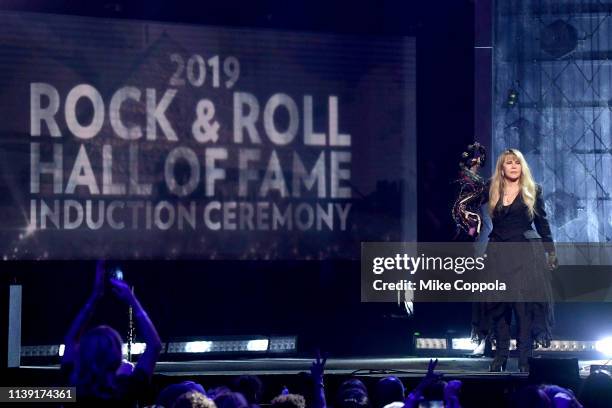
<point x="498" y="364"/>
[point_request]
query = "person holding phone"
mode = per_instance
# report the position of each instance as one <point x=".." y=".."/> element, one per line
<point x="92" y="360"/>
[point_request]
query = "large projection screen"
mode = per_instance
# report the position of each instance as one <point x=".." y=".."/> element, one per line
<point x="140" y="140"/>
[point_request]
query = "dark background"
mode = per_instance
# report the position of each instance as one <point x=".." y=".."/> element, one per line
<point x="319" y="301"/>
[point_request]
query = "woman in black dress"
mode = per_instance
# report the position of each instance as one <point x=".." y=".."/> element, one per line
<point x="516" y="206"/>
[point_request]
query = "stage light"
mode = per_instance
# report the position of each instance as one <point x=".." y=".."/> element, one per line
<point x="41" y="351"/>
<point x="59" y="350"/>
<point x="513" y="98"/>
<point x="430" y="344"/>
<point x="258" y="345"/>
<point x="197" y="346"/>
<point x="464" y="343"/>
<point x="274" y="344"/>
<point x="569" y="345"/>
<point x="604" y="346"/>
<point x="282" y="344"/>
<point x="137" y="348"/>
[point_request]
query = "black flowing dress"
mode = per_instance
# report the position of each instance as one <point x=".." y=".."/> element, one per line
<point x="524" y="268"/>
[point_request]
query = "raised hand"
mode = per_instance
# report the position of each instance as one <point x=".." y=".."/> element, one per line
<point x="431" y="374"/>
<point x="122" y="291"/>
<point x="318" y="366"/>
<point x="316" y="371"/>
<point x="413" y="399"/>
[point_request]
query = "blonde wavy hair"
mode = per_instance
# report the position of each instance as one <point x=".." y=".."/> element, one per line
<point x="526" y="182"/>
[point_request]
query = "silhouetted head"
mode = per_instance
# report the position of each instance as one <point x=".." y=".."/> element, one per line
<point x="289" y="401"/>
<point x="170" y="394"/>
<point x="532" y="397"/>
<point x="250" y="386"/>
<point x="352" y="383"/>
<point x="231" y="400"/>
<point x="193" y="399"/>
<point x="434" y="391"/>
<point x="389" y="389"/>
<point x="551" y="390"/>
<point x="217" y="391"/>
<point x="99" y="358"/>
<point x="353" y="398"/>
<point x="596" y="390"/>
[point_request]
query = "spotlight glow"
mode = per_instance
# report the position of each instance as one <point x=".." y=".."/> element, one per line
<point x="257" y="345"/>
<point x="464" y="343"/>
<point x="198" y="346"/>
<point x="604" y="346"/>
<point x="427" y="343"/>
<point x="137" y="348"/>
<point x="29" y="230"/>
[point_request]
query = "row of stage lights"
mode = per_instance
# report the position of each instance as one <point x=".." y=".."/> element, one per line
<point x="286" y="344"/>
<point x="603" y="346"/>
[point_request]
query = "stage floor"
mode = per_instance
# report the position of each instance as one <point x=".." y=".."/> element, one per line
<point x="408" y="366"/>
